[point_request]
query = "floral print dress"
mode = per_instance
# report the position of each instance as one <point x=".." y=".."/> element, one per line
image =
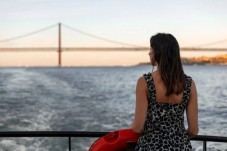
<point x="164" y="125"/>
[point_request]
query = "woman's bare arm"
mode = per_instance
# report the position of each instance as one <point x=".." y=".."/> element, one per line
<point x="192" y="112"/>
<point x="141" y="106"/>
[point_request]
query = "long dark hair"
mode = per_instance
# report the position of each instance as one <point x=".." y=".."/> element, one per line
<point x="167" y="55"/>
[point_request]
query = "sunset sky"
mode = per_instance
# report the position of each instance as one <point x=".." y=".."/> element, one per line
<point x="192" y="22"/>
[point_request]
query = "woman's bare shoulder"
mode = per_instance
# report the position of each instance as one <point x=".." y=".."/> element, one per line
<point x="193" y="88"/>
<point x="141" y="84"/>
<point x="141" y="81"/>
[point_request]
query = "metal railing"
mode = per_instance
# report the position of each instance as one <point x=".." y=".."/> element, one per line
<point x="70" y="134"/>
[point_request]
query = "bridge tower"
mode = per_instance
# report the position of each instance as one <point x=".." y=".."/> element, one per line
<point x="59" y="45"/>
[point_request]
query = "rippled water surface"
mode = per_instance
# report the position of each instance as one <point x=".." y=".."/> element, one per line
<point x="93" y="99"/>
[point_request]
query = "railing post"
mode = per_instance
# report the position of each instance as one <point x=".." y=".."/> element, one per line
<point x="204" y="145"/>
<point x="69" y="143"/>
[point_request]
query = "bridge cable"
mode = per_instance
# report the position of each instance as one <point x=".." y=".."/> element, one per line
<point x="212" y="43"/>
<point x="28" y="34"/>
<point x="100" y="38"/>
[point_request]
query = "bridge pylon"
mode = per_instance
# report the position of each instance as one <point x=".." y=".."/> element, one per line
<point x="59" y="45"/>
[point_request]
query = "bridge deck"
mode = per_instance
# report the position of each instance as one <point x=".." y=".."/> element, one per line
<point x="55" y="49"/>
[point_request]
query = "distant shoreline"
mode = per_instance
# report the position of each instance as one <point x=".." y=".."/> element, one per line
<point x="217" y="60"/>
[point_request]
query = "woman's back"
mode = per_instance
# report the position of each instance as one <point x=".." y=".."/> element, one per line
<point x="161" y="91"/>
<point x="164" y="124"/>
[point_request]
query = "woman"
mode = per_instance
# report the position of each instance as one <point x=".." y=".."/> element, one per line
<point x="161" y="99"/>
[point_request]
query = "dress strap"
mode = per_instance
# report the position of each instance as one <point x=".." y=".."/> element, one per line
<point x="150" y="87"/>
<point x="187" y="89"/>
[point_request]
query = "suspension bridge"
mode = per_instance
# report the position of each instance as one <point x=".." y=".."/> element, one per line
<point x="60" y="49"/>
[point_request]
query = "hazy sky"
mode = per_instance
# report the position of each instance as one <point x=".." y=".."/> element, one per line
<point x="192" y="22"/>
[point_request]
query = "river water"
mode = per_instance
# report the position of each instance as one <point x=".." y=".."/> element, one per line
<point x="93" y="99"/>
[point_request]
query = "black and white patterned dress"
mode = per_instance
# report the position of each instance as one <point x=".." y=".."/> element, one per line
<point x="164" y="125"/>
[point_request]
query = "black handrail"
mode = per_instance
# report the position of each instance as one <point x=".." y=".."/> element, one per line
<point x="69" y="134"/>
